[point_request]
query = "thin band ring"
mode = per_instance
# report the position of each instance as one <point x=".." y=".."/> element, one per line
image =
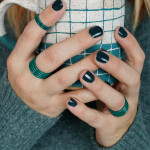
<point x="36" y="72"/>
<point x="38" y="21"/>
<point x="121" y="112"/>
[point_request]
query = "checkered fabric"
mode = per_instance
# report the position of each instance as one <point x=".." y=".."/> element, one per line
<point x="79" y="15"/>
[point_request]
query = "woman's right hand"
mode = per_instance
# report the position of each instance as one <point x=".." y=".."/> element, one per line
<point x="47" y="96"/>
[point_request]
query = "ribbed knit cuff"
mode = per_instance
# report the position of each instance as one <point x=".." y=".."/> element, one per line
<point x="20" y="126"/>
<point x="135" y="138"/>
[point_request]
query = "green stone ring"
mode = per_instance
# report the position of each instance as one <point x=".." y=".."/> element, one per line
<point x="38" y="21"/>
<point x="121" y="112"/>
<point x="35" y="71"/>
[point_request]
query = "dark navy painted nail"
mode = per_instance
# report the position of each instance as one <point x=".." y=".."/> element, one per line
<point x="102" y="57"/>
<point x="88" y="77"/>
<point x="57" y="5"/>
<point x="96" y="31"/>
<point x="122" y="32"/>
<point x="104" y="50"/>
<point x="72" y="102"/>
<point x="107" y="83"/>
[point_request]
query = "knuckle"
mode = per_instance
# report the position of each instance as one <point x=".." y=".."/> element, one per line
<point x="144" y="56"/>
<point x="115" y="126"/>
<point x="95" y="118"/>
<point x="80" y="41"/>
<point x="9" y="62"/>
<point x="141" y="58"/>
<point x="11" y="59"/>
<point x="137" y="79"/>
<point x="115" y="65"/>
<point x="19" y="82"/>
<point x="33" y="99"/>
<point x="51" y="112"/>
<point x="62" y="79"/>
<point x="52" y="115"/>
<point x="119" y="103"/>
<point x="82" y="111"/>
<point x="50" y="56"/>
<point x="131" y="41"/>
<point x="88" y="63"/>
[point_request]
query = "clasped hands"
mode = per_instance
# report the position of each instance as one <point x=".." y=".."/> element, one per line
<point x="47" y="96"/>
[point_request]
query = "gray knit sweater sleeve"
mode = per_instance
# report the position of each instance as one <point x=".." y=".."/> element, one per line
<point x="20" y="126"/>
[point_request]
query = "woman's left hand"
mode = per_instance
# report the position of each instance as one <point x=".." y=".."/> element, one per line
<point x="110" y="129"/>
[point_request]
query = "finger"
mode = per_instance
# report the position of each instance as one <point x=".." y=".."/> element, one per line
<point x="117" y="68"/>
<point x="84" y="95"/>
<point x="135" y="54"/>
<point x="108" y="95"/>
<point x="33" y="33"/>
<point x="57" y="54"/>
<point x="91" y="116"/>
<point x="65" y="77"/>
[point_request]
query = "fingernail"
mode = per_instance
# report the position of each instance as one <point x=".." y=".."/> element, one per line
<point x="88" y="77"/>
<point x="107" y="83"/>
<point x="102" y="57"/>
<point x="122" y="32"/>
<point x="57" y="5"/>
<point x="103" y="50"/>
<point x="96" y="31"/>
<point x="72" y="102"/>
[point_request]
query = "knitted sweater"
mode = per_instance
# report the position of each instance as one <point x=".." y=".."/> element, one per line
<point x="21" y="128"/>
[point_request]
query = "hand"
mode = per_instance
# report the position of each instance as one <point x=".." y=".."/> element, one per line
<point x="108" y="128"/>
<point x="47" y="96"/>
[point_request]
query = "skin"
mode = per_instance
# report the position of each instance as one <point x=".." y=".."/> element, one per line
<point x="47" y="96"/>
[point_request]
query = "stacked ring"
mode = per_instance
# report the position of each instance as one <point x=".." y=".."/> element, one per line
<point x="121" y="112"/>
<point x="38" y="21"/>
<point x="35" y="71"/>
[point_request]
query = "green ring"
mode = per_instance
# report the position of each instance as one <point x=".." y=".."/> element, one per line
<point x="38" y="21"/>
<point x="121" y="112"/>
<point x="35" y="71"/>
